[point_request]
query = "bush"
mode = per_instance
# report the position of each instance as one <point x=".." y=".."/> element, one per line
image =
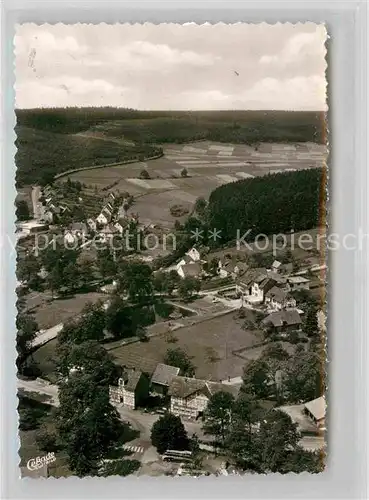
<point x="120" y="468"/>
<point x="168" y="433"/>
<point x="47" y="440"/>
<point x="144" y="174"/>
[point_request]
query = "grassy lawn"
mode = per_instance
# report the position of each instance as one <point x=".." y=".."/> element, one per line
<point x="209" y="345"/>
<point x="44" y="357"/>
<point x="50" y="313"/>
<point x="41" y="415"/>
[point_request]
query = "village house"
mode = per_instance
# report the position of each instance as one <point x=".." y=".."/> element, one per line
<point x="316" y="410"/>
<point x="190" y="270"/>
<point x="79" y="229"/>
<point x="162" y="378"/>
<point x="91" y="224"/>
<point x="297" y="283"/>
<point x="47" y="216"/>
<point x="69" y="237"/>
<point x="232" y="267"/>
<point x="255" y="285"/>
<point x="119" y="227"/>
<point x="288" y="319"/>
<point x="277" y="299"/>
<point x="107" y="232"/>
<point x="64" y="208"/>
<point x="191" y="258"/>
<point x="104" y="217"/>
<point x="276" y="266"/>
<point x="189" y="397"/>
<point x="132" y="389"/>
<point x="108" y="207"/>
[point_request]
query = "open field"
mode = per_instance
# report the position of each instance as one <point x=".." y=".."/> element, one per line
<point x="208" y="166"/>
<point x="214" y="338"/>
<point x="50" y="313"/>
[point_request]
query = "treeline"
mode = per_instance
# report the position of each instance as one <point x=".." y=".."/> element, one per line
<point x="42" y="154"/>
<point x="180" y="126"/>
<point x="270" y="204"/>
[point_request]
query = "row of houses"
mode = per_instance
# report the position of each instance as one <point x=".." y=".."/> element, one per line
<point x="188" y="397"/>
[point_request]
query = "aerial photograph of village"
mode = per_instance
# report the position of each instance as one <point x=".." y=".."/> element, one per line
<point x="170" y="236"/>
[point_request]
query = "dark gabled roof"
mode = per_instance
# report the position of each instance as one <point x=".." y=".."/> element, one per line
<point x="276" y="294"/>
<point x="287" y="268"/>
<point x="215" y="387"/>
<point x="279" y="318"/>
<point x="266" y="284"/>
<point x="182" y="387"/>
<point x="192" y="269"/>
<point x="164" y="374"/>
<point x="133" y="379"/>
<point x="79" y="226"/>
<point x="254" y="275"/>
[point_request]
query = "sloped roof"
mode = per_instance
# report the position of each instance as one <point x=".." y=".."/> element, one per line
<point x="215" y="387"/>
<point x="266" y="284"/>
<point x="79" y="226"/>
<point x="279" y="318"/>
<point x="317" y="407"/>
<point x="133" y="379"/>
<point x="164" y="374"/>
<point x="276" y="294"/>
<point x="297" y="279"/>
<point x="276" y="264"/>
<point x="254" y="275"/>
<point x="182" y="387"/>
<point x="192" y="269"/>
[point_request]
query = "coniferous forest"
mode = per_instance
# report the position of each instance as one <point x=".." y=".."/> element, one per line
<point x="274" y="203"/>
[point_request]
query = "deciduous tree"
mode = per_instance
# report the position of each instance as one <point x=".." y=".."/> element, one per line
<point x="218" y="415"/>
<point x="179" y="358"/>
<point x="168" y="433"/>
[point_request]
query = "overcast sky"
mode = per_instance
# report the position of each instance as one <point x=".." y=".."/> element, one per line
<point x="171" y="66"/>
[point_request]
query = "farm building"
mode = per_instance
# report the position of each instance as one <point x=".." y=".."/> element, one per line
<point x="190" y="270"/>
<point x="277" y="299"/>
<point x="297" y="283"/>
<point x="316" y="411"/>
<point x="255" y="286"/>
<point x="132" y="389"/>
<point x="232" y="267"/>
<point x="162" y="378"/>
<point x="189" y="396"/>
<point x="283" y="320"/>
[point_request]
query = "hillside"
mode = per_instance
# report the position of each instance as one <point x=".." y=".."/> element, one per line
<point x="272" y="204"/>
<point x="42" y="154"/>
<point x="174" y="126"/>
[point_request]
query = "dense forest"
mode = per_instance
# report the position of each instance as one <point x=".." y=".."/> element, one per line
<point x="47" y="142"/>
<point x="270" y="204"/>
<point x="41" y="154"/>
<point x="171" y="126"/>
